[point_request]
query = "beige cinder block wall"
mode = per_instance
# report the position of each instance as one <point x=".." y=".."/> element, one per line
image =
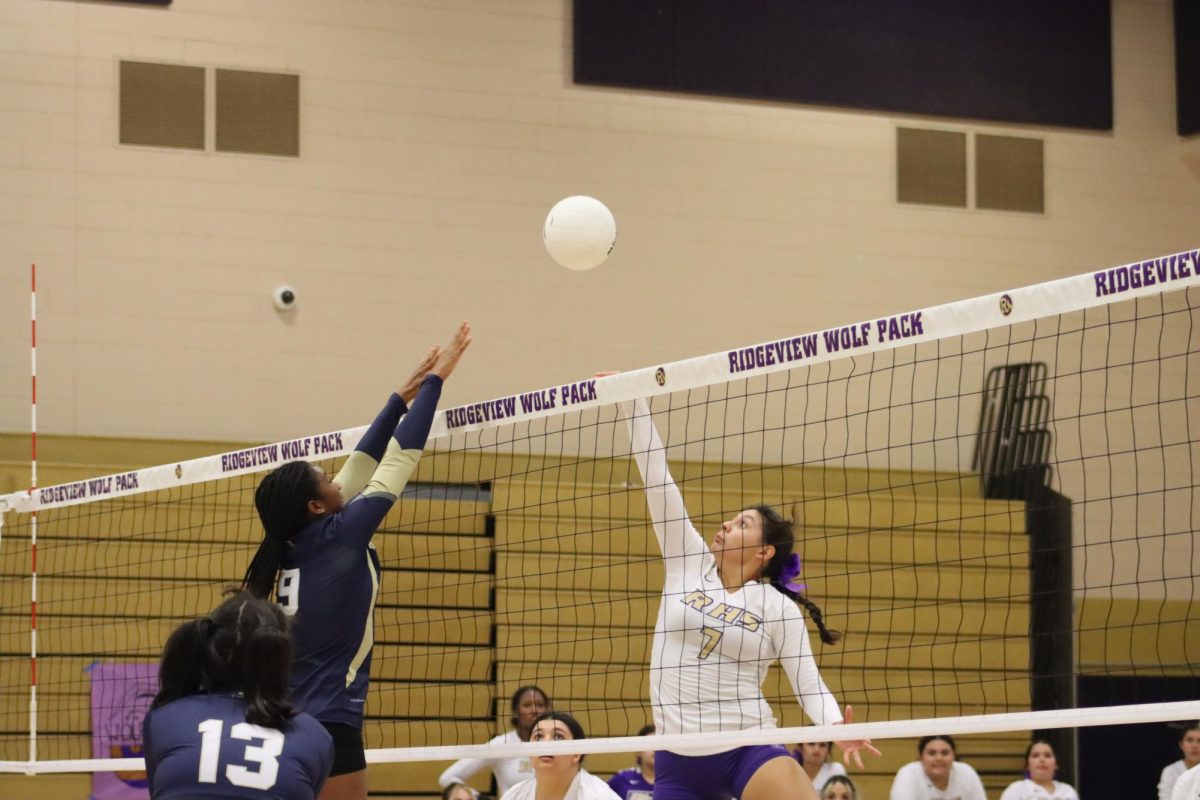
<point x="434" y="137"/>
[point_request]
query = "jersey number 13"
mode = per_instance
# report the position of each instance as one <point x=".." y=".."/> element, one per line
<point x="266" y="755"/>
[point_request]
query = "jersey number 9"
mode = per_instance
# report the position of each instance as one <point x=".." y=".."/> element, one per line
<point x="287" y="591"/>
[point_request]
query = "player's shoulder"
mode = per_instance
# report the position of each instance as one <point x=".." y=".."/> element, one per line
<point x="1065" y="791"/>
<point x="184" y="713"/>
<point x="778" y="606"/>
<point x="509" y="737"/>
<point x="199" y="704"/>
<point x="307" y="724"/>
<point x="963" y="767"/>
<point x="594" y="786"/>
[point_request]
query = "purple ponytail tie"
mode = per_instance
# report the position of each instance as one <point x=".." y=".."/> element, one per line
<point x="786" y="579"/>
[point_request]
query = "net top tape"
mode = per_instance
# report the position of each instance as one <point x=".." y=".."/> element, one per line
<point x="1111" y="285"/>
<point x="877" y="731"/>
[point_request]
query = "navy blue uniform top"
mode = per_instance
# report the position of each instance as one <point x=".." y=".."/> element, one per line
<point x="201" y="746"/>
<point x="329" y="578"/>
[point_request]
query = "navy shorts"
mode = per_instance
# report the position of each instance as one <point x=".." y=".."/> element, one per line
<point x="348" y="755"/>
<point x="716" y="777"/>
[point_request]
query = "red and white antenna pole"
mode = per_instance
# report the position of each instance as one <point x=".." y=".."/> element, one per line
<point x="33" y="516"/>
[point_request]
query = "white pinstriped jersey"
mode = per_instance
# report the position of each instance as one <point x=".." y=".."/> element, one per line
<point x="712" y="647"/>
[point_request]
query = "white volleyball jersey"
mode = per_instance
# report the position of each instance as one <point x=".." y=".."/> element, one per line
<point x="712" y="648"/>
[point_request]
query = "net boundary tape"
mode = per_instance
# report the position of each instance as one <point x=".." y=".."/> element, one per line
<point x="894" y="729"/>
<point x="1088" y="290"/>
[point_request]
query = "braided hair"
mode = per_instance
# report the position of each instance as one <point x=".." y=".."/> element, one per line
<point x="243" y="646"/>
<point x="780" y="534"/>
<point x="282" y="502"/>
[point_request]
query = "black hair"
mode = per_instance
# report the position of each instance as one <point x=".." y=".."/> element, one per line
<point x="242" y="646"/>
<point x="841" y="779"/>
<point x="449" y="790"/>
<point x="646" y="730"/>
<point x="282" y="502"/>
<point x="828" y="747"/>
<point x="515" y="703"/>
<point x="1034" y="744"/>
<point x="927" y="739"/>
<point x="780" y="534"/>
<point x="566" y="719"/>
<point x="1194" y="725"/>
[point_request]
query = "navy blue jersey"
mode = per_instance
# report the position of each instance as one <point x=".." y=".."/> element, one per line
<point x="329" y="577"/>
<point x="329" y="582"/>
<point x="201" y="746"/>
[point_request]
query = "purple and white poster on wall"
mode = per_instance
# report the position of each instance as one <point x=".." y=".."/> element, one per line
<point x="121" y="695"/>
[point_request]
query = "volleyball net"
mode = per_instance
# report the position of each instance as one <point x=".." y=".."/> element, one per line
<point x="992" y="497"/>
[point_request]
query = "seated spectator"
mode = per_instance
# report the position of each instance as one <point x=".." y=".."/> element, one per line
<point x="1039" y="784"/>
<point x="1189" y="746"/>
<point x="936" y="775"/>
<point x="458" y="791"/>
<point x="814" y="760"/>
<point x="636" y="783"/>
<point x="839" y="787"/>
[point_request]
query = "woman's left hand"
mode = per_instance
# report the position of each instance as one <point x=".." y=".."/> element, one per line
<point x="851" y="747"/>
<point x="408" y="392"/>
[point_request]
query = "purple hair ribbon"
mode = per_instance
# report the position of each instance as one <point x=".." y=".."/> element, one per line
<point x="786" y="579"/>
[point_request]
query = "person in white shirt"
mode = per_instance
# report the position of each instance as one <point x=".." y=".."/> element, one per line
<point x="727" y="613"/>
<point x="1040" y="766"/>
<point x="1189" y="746"/>
<point x="1187" y="787"/>
<point x="528" y="703"/>
<point x="559" y="777"/>
<point x="937" y="776"/>
<point x="813" y="758"/>
<point x="839" y="787"/>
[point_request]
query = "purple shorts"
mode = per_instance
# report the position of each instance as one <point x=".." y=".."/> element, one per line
<point x="716" y="777"/>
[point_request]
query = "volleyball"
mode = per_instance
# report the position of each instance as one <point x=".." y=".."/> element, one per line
<point x="579" y="232"/>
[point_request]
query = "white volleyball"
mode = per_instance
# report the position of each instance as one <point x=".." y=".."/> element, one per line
<point x="579" y="232"/>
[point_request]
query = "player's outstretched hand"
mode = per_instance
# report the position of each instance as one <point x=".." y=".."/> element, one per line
<point x="447" y="360"/>
<point x="851" y="747"/>
<point x="411" y="386"/>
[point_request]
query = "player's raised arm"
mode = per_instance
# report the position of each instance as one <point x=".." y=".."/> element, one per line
<point x="361" y="464"/>
<point x="674" y="530"/>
